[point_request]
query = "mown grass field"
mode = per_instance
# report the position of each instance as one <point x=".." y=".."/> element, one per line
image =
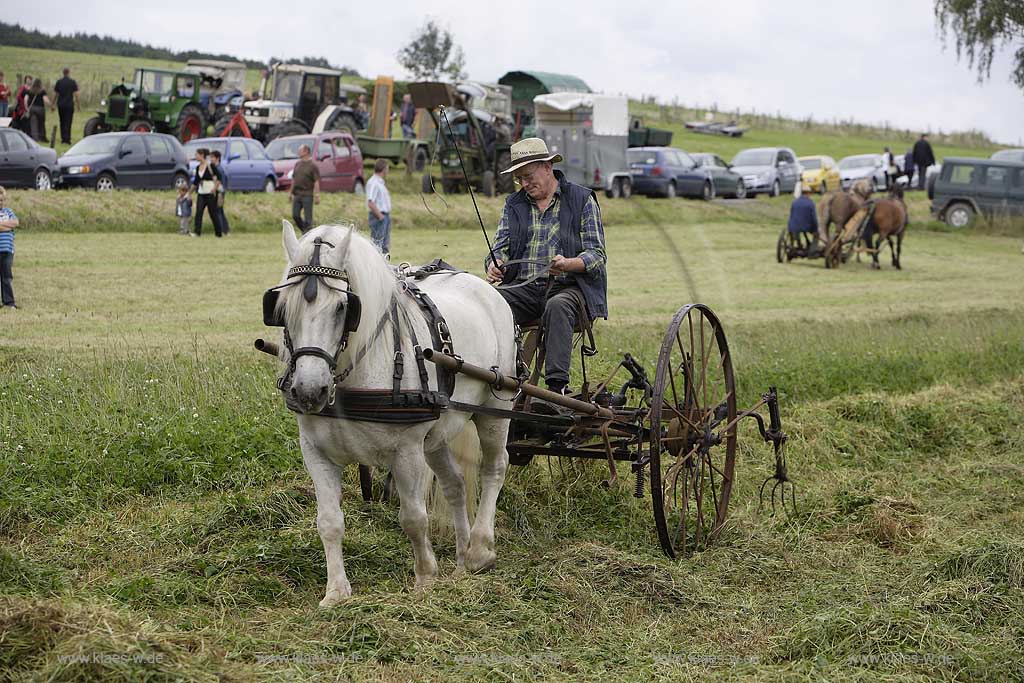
<point x="156" y="523"/>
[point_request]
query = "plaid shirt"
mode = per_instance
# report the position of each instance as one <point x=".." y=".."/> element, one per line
<point x="542" y="244"/>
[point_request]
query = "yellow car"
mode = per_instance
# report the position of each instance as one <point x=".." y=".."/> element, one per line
<point x="820" y="174"/>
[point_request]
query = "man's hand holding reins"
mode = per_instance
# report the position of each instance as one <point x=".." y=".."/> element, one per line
<point x="561" y="264"/>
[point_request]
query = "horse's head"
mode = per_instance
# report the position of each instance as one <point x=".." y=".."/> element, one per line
<point x="318" y="310"/>
<point x="896" y="192"/>
<point x="863" y="188"/>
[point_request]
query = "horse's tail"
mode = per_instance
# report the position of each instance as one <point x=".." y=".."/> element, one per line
<point x="465" y="448"/>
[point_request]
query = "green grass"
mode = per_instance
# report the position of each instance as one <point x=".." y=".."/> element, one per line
<point x="156" y="522"/>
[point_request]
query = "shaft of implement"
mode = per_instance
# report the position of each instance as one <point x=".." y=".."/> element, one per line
<point x="496" y="379"/>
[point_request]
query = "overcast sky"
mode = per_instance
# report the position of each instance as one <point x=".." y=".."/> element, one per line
<point x="870" y="60"/>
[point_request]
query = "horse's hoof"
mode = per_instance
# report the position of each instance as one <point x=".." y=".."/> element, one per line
<point x="336" y="597"/>
<point x="482" y="561"/>
<point x="424" y="582"/>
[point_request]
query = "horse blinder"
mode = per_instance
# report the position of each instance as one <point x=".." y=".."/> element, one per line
<point x="272" y="315"/>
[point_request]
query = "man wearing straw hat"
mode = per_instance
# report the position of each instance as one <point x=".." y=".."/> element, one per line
<point x="549" y="254"/>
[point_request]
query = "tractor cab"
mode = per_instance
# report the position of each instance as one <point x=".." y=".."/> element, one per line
<point x="220" y="86"/>
<point x="300" y="99"/>
<point x="481" y="138"/>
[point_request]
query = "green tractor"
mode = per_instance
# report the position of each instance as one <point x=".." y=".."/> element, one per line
<point x="155" y="100"/>
<point x="481" y="138"/>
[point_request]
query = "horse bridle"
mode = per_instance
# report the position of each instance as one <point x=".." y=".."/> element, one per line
<point x="312" y="275"/>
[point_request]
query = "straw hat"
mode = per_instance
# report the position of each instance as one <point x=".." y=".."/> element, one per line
<point x="528" y="151"/>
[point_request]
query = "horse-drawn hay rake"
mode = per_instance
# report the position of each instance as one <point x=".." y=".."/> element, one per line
<point x="679" y="431"/>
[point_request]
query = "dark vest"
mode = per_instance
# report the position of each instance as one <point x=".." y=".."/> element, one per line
<point x="594" y="284"/>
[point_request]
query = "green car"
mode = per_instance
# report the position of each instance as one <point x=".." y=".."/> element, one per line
<point x="155" y="100"/>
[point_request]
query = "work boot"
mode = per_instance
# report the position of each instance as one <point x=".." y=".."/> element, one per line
<point x="546" y="407"/>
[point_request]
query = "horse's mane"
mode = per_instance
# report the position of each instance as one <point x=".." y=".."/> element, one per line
<point x="369" y="275"/>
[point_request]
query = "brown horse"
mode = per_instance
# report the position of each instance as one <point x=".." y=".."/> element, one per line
<point x="839" y="207"/>
<point x="888" y="220"/>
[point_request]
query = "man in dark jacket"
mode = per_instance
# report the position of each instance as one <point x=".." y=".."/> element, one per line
<point x="908" y="167"/>
<point x="803" y="220"/>
<point x="923" y="158"/>
<point x="66" y="103"/>
<point x="549" y="254"/>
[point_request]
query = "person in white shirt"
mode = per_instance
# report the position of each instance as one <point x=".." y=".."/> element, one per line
<point x="378" y="201"/>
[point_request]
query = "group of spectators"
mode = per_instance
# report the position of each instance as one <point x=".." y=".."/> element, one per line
<point x="28" y="110"/>
<point x="920" y="157"/>
<point x="209" y="188"/>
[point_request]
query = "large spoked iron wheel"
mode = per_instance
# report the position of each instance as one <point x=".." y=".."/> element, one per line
<point x="692" y="432"/>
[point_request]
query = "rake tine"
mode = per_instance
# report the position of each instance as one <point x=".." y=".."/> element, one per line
<point x="760" y="494"/>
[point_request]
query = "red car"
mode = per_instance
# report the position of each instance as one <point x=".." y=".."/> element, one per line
<point x="335" y="152"/>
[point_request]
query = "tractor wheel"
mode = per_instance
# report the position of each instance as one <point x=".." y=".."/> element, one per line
<point x="506" y="183"/>
<point x="427" y="186"/>
<point x="221" y="125"/>
<point x="190" y="123"/>
<point x="93" y="126"/>
<point x="449" y="186"/>
<point x="419" y="159"/>
<point x="285" y="129"/>
<point x="487" y="184"/>
<point x="140" y="126"/>
<point x="345" y="123"/>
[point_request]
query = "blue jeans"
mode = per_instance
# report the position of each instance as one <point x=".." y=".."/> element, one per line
<point x="3" y="108"/>
<point x="380" y="232"/>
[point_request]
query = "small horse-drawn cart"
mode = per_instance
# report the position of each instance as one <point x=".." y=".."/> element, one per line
<point x="679" y="431"/>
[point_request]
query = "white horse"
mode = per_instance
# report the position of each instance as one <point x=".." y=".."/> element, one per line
<point x="482" y="332"/>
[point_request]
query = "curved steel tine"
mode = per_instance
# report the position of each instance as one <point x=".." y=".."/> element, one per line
<point x="760" y="493"/>
<point x="778" y="483"/>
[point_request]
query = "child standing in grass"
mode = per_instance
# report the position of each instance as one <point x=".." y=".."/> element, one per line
<point x="183" y="210"/>
<point x="8" y="222"/>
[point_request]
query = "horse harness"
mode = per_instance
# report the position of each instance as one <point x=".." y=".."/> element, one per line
<point x="395" y="405"/>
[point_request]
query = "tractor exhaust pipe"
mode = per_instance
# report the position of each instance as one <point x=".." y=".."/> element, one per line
<point x="496" y="379"/>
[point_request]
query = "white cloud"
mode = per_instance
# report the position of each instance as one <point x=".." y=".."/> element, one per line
<point x="870" y="60"/>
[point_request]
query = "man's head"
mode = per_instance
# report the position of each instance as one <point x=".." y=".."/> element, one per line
<point x="380" y="167"/>
<point x="201" y="154"/>
<point x="27" y="81"/>
<point x="304" y="151"/>
<point x="924" y="136"/>
<point x="406" y="98"/>
<point x="215" y="157"/>
<point x="67" y="71"/>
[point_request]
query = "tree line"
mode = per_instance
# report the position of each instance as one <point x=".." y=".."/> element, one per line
<point x="14" y="35"/>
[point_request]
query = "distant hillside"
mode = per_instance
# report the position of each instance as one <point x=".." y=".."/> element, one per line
<point x="14" y="35"/>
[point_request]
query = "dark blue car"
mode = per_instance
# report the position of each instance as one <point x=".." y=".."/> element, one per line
<point x="668" y="172"/>
<point x="247" y="168"/>
<point x="135" y="160"/>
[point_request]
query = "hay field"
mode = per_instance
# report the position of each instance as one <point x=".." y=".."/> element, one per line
<point x="156" y="523"/>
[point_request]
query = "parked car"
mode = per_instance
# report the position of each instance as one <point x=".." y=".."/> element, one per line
<point x="724" y="180"/>
<point x="820" y="174"/>
<point x="335" y="152"/>
<point x="668" y="172"/>
<point x="107" y="161"/>
<point x="771" y="170"/>
<point x="245" y="163"/>
<point x="1009" y="155"/>
<point x="967" y="187"/>
<point x="858" y="166"/>
<point x="24" y="163"/>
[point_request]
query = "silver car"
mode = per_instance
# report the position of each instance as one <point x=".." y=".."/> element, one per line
<point x="859" y="166"/>
<point x="767" y="170"/>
